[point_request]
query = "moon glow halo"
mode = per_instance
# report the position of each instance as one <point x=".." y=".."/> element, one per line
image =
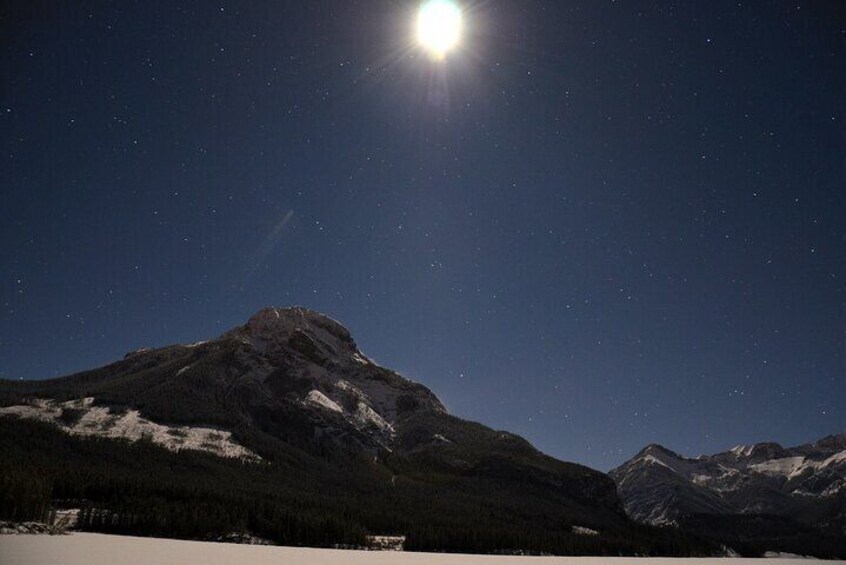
<point x="439" y="25"/>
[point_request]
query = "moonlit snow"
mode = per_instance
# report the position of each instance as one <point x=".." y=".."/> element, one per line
<point x="101" y="549"/>
<point x="101" y="421"/>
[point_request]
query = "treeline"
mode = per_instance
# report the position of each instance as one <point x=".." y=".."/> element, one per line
<point x="300" y="499"/>
<point x="639" y="540"/>
<point x="142" y="489"/>
<point x="754" y="534"/>
<point x="217" y="519"/>
<point x="25" y="492"/>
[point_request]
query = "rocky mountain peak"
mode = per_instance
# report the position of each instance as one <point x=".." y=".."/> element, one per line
<point x="272" y="330"/>
<point x="272" y="321"/>
<point x="658" y="451"/>
<point x="311" y="357"/>
<point x="759" y="452"/>
<point x="835" y="442"/>
<point x="768" y="450"/>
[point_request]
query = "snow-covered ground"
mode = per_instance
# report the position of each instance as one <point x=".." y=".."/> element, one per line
<point x="100" y="549"/>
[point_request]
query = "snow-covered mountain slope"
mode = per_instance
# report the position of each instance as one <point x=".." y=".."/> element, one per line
<point x="807" y="482"/>
<point x="83" y="418"/>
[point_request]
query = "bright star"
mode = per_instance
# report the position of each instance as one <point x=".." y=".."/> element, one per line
<point x="439" y="26"/>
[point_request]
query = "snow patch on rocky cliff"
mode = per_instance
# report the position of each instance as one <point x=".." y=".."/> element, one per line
<point x="319" y="399"/>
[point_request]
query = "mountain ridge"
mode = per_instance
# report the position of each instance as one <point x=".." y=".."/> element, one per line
<point x="291" y="387"/>
<point x="753" y="498"/>
<point x="659" y="486"/>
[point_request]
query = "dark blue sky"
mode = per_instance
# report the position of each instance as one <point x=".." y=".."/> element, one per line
<point x="597" y="224"/>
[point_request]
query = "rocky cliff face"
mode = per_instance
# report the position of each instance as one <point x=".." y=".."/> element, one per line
<point x="295" y="349"/>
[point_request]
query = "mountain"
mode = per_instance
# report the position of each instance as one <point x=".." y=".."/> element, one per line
<point x="282" y="427"/>
<point x="764" y="490"/>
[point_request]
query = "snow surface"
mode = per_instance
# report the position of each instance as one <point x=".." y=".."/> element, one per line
<point x="652" y="460"/>
<point x="786" y="466"/>
<point x="582" y="531"/>
<point x="792" y="467"/>
<point x="319" y="399"/>
<point x="101" y="549"/>
<point x="742" y="450"/>
<point x="365" y="415"/>
<point x="361" y="359"/>
<point x="130" y="425"/>
<point x="362" y="418"/>
<point x="784" y="555"/>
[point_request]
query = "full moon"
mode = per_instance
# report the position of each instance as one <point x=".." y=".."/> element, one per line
<point x="439" y="26"/>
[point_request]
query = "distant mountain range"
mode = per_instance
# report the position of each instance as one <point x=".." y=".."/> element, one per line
<point x="762" y="490"/>
<point x="282" y="429"/>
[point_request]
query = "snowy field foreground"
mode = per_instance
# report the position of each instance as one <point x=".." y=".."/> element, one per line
<point x="101" y="549"/>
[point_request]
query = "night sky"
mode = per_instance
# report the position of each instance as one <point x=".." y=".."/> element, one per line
<point x="597" y="224"/>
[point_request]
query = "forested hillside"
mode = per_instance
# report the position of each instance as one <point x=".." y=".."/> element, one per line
<point x="142" y="489"/>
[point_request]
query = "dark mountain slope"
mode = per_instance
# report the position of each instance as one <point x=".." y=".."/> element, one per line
<point x="340" y="436"/>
